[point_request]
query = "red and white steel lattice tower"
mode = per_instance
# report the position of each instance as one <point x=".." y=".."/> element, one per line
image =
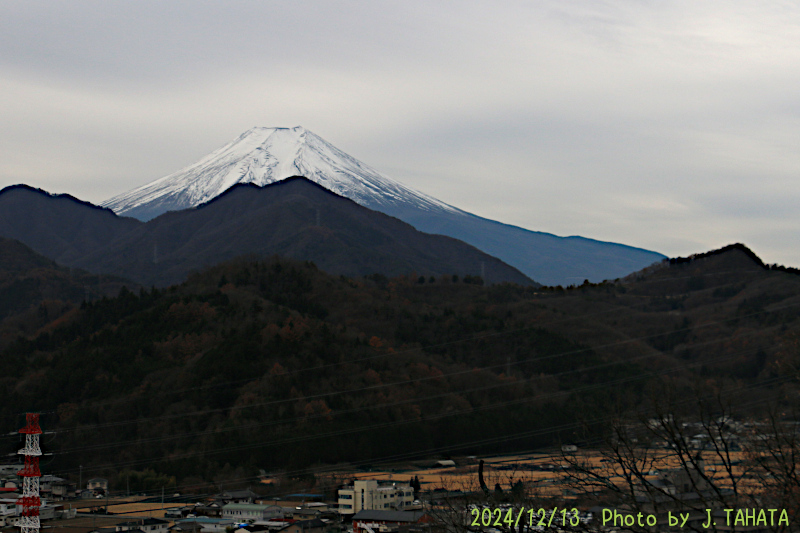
<point x="30" y="501"/>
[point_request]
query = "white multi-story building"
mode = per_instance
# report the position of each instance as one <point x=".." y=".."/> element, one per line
<point x="8" y="511"/>
<point x="374" y="495"/>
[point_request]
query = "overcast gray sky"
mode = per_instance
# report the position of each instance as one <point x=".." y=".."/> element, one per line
<point x="669" y="125"/>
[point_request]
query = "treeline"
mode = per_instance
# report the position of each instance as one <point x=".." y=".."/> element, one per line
<point x="737" y="246"/>
<point x="276" y="365"/>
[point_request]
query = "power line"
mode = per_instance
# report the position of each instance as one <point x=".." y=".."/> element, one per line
<point x="474" y="338"/>
<point x="296" y="439"/>
<point x="413" y="400"/>
<point x="630" y="309"/>
<point x="606" y="346"/>
<point x="476" y="443"/>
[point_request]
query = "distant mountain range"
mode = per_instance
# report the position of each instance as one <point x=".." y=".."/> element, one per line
<point x="294" y="218"/>
<point x="58" y="226"/>
<point x="266" y="155"/>
<point x="28" y="278"/>
<point x="35" y="291"/>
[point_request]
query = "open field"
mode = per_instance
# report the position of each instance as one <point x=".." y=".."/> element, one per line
<point x="543" y="474"/>
<point x="132" y="505"/>
<point x="151" y="509"/>
<point x="81" y="524"/>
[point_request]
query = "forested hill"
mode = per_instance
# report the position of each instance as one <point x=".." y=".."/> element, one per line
<point x="277" y="365"/>
<point x="35" y="291"/>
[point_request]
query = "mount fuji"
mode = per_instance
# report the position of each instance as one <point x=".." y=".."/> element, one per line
<point x="266" y="155"/>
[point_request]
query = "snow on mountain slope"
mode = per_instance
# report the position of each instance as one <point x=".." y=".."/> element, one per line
<point x="266" y="155"/>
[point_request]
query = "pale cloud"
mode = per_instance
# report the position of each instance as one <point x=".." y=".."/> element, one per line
<point x="667" y="125"/>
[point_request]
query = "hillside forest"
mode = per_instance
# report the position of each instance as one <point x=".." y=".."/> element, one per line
<point x="274" y="366"/>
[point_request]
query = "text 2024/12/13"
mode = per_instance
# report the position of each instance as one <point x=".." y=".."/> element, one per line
<point x="534" y="517"/>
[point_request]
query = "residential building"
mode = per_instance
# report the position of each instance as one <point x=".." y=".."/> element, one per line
<point x="305" y="526"/>
<point x="213" y="509"/>
<point x="236" y="496"/>
<point x="147" y="525"/>
<point x="97" y="484"/>
<point x="373" y="521"/>
<point x="205" y="524"/>
<point x="242" y="512"/>
<point x="186" y="527"/>
<point x="374" y="495"/>
<point x="57" y="487"/>
<point x="10" y="469"/>
<point x="8" y="511"/>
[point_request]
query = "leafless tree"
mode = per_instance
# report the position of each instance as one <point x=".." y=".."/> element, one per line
<point x="487" y="498"/>
<point x="774" y="452"/>
<point x="686" y="465"/>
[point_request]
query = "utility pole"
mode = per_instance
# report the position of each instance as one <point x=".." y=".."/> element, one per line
<point x="30" y="501"/>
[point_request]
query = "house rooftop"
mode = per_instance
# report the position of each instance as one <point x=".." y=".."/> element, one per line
<point x="143" y="522"/>
<point x="249" y="507"/>
<point x="235" y="494"/>
<point x="187" y="526"/>
<point x="389" y="516"/>
<point x="206" y="520"/>
<point x="306" y="524"/>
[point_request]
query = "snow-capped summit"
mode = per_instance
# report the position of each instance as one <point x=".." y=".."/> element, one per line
<point x="262" y="156"/>
<point x="265" y="155"/>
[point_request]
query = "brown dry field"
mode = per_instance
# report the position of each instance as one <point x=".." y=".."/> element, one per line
<point x="131" y="506"/>
<point x="538" y="482"/>
<point x="81" y="524"/>
<point x="135" y="509"/>
<point x="101" y="502"/>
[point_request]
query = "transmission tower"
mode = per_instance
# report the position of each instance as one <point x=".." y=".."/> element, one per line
<point x="30" y="501"/>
